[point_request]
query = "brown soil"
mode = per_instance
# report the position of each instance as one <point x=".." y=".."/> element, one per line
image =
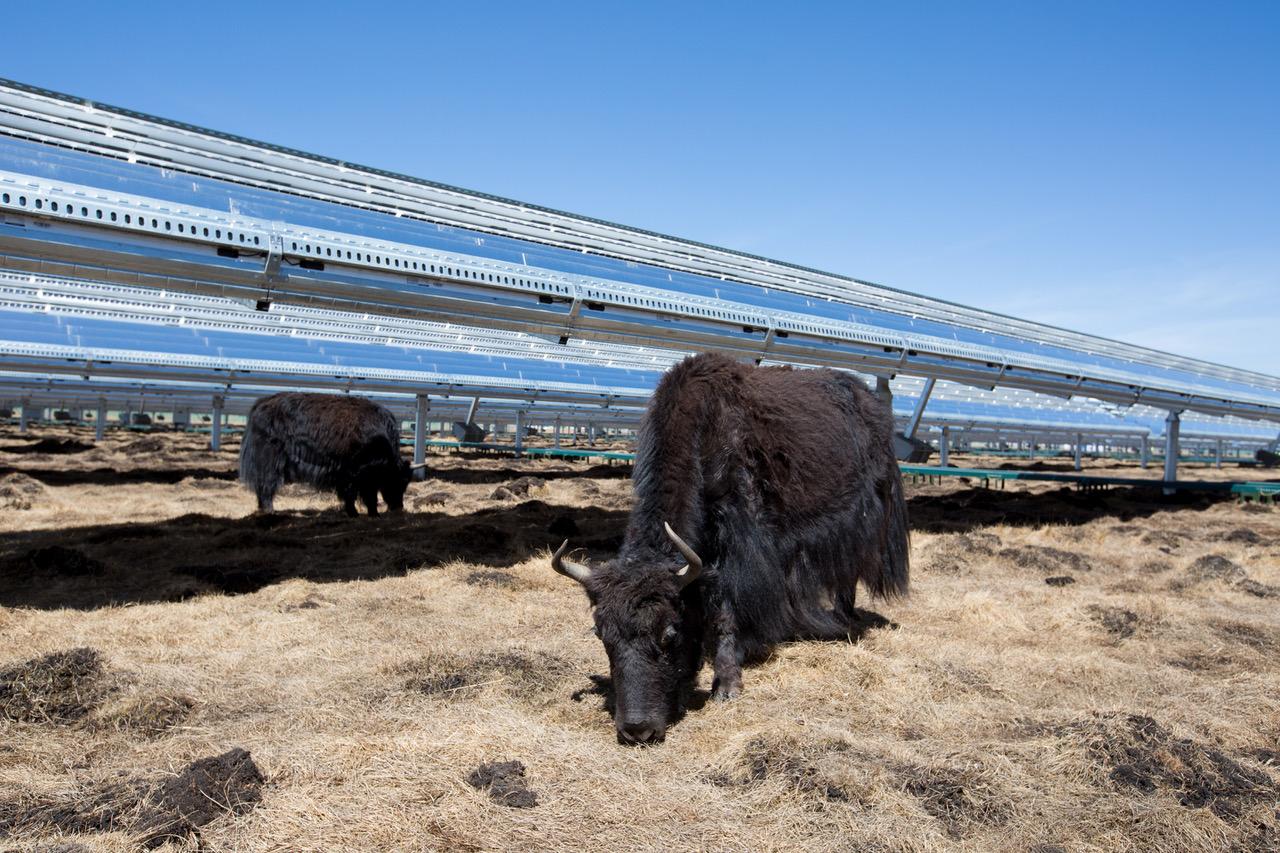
<point x="57" y="688"/>
<point x="504" y="781"/>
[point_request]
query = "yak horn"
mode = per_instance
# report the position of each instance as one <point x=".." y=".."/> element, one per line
<point x="417" y="465"/>
<point x="693" y="568"/>
<point x="568" y="568"/>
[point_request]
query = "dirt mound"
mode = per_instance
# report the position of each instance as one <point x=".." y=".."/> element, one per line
<point x="952" y="553"/>
<point x="518" y="488"/>
<point x="588" y="488"/>
<point x="61" y="687"/>
<point x="147" y="444"/>
<point x="1138" y="754"/>
<point x="1044" y="559"/>
<point x="1215" y="567"/>
<point x="1167" y="541"/>
<point x="448" y="673"/>
<point x="153" y="811"/>
<point x="1155" y="567"/>
<point x="68" y="562"/>
<point x="504" y="780"/>
<point x="1060" y="580"/>
<point x="493" y="577"/>
<point x="18" y="491"/>
<point x="961" y="799"/>
<point x="1242" y="535"/>
<point x="1116" y="621"/>
<point x="438" y="498"/>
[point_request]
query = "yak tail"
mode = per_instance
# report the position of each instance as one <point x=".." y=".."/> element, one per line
<point x="894" y="572"/>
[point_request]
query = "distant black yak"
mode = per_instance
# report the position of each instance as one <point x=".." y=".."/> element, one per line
<point x="330" y="441"/>
<point x="781" y="492"/>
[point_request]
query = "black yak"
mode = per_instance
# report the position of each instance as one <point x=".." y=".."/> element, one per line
<point x="762" y="496"/>
<point x="330" y="441"/>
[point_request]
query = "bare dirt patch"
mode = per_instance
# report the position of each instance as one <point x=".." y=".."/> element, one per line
<point x="511" y="670"/>
<point x="1044" y="559"/>
<point x="1138" y="754"/>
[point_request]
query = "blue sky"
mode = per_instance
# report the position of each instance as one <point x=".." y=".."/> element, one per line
<point x="1108" y="167"/>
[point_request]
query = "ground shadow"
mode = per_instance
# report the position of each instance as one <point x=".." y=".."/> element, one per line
<point x="473" y="476"/>
<point x="113" y="476"/>
<point x="52" y="446"/>
<point x="967" y="509"/>
<point x="195" y="554"/>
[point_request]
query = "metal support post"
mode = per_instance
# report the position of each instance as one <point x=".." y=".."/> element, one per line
<point x="215" y="431"/>
<point x="420" y="435"/>
<point x="1079" y="441"/>
<point x="591" y="434"/>
<point x="24" y="412"/>
<point x="100" y="420"/>
<point x="1172" y="425"/>
<point x="557" y="439"/>
<point x="913" y="423"/>
<point x="944" y="446"/>
<point x="471" y="410"/>
<point x="1145" y="451"/>
<point x="519" y="433"/>
<point x="1031" y="454"/>
<point x="1217" y="454"/>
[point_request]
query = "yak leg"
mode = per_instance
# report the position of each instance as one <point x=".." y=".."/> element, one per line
<point x="369" y="497"/>
<point x="347" y="494"/>
<point x="266" y="498"/>
<point x="727" y="666"/>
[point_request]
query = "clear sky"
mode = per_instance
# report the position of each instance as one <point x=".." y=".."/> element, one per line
<point x="1109" y="167"/>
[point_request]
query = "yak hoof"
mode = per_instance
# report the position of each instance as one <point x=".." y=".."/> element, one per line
<point x="725" y="692"/>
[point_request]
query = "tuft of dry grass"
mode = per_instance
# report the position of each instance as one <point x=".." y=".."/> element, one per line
<point x="404" y="683"/>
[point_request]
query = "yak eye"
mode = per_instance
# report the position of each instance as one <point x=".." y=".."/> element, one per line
<point x="669" y="635"/>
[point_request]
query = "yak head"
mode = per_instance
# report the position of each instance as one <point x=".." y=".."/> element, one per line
<point x="395" y="484"/>
<point x="650" y="622"/>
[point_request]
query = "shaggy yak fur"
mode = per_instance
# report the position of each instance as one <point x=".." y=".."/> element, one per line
<point x="783" y="484"/>
<point x="329" y="441"/>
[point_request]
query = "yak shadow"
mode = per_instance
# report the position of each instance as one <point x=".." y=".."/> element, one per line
<point x="968" y="509"/>
<point x="192" y="555"/>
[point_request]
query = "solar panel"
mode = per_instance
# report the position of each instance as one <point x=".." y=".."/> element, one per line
<point x="173" y="206"/>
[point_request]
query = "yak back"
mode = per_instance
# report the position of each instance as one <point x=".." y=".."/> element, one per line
<point x="319" y="435"/>
<point x="782" y="480"/>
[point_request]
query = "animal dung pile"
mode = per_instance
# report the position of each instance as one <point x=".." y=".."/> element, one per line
<point x="505" y="783"/>
<point x="60" y="687"/>
<point x="153" y="810"/>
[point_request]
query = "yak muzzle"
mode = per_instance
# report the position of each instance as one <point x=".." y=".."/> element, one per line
<point x="640" y="733"/>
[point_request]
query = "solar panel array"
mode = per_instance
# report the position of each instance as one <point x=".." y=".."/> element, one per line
<point x="463" y="294"/>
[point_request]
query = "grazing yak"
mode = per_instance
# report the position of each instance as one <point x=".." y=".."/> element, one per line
<point x="330" y="441"/>
<point x="762" y="496"/>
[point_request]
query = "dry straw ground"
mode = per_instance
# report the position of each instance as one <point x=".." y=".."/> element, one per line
<point x="1072" y="672"/>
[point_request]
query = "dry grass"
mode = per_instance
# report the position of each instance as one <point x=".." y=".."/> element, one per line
<point x="373" y="666"/>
